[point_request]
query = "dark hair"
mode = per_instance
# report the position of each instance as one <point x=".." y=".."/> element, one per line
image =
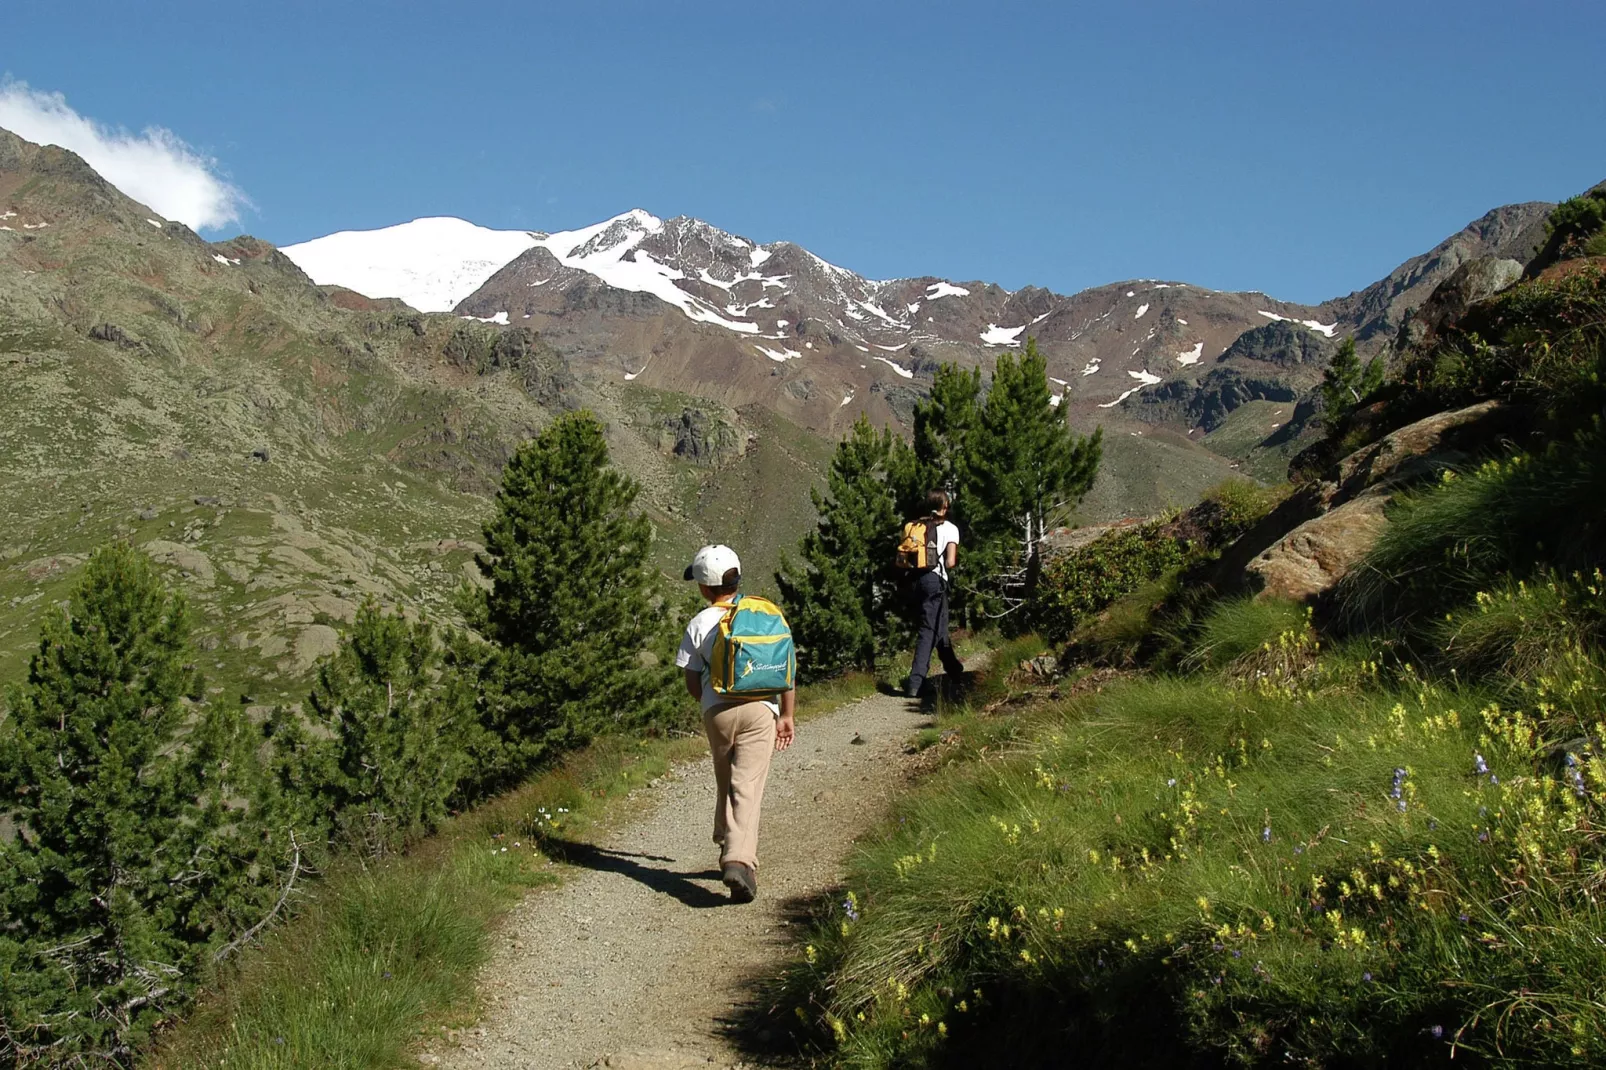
<point x="937" y="502"/>
<point x="728" y="583"/>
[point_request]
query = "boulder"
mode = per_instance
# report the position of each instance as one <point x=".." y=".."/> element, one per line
<point x="1473" y="281"/>
<point x="702" y="436"/>
<point x="1313" y="557"/>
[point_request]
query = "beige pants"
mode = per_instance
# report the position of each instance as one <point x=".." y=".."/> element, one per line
<point x="742" y="740"/>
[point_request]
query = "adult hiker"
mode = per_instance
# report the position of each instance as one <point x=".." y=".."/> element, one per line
<point x="929" y="551"/>
<point x="739" y="663"/>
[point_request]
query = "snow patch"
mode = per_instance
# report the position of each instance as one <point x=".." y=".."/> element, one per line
<point x="995" y="335"/>
<point x="1061" y="382"/>
<point x="1192" y="356"/>
<point x="1141" y="310"/>
<point x="1123" y="397"/>
<point x="861" y="349"/>
<point x="221" y="259"/>
<point x="1182" y="321"/>
<point x="1315" y="325"/>
<point x="913" y="308"/>
<point x="900" y="369"/>
<point x="631" y="376"/>
<point x="781" y="323"/>
<point x="758" y="256"/>
<point x="945" y="289"/>
<point x="780" y="356"/>
<point x="1055" y="399"/>
<point x="1131" y="293"/>
<point x="845" y="401"/>
<point x="1091" y="367"/>
<point x="498" y="318"/>
<point x="1044" y="316"/>
<point x="1145" y="377"/>
<point x="152" y="222"/>
<point x="889" y="349"/>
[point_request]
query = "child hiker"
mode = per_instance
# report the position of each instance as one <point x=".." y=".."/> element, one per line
<point x="740" y="665"/>
<point x="930" y="548"/>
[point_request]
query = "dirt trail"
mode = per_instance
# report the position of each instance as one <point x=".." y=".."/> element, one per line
<point x="637" y="959"/>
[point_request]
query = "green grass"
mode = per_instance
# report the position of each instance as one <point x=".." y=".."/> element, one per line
<point x="1446" y="543"/>
<point x="1177" y="870"/>
<point x="381" y="954"/>
<point x="1241" y="628"/>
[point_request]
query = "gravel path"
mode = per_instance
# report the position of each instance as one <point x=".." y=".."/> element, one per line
<point x="637" y="958"/>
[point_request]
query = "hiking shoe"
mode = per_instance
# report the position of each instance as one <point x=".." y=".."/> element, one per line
<point x="741" y="880"/>
<point x="913" y="690"/>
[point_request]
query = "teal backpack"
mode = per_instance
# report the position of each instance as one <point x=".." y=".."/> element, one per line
<point x="753" y="655"/>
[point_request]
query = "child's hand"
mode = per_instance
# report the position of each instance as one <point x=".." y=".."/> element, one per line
<point x="785" y="731"/>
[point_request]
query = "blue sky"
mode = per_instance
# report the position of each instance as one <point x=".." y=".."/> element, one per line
<point x="1297" y="148"/>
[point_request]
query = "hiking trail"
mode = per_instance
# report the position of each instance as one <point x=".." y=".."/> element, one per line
<point x="637" y="960"/>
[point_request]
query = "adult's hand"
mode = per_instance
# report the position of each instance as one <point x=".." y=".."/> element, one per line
<point x="785" y="731"/>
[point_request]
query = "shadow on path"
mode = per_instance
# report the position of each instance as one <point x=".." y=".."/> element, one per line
<point x="629" y="864"/>
<point x="763" y="1027"/>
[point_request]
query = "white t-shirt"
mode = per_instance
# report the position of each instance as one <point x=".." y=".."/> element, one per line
<point x="947" y="535"/>
<point x="697" y="647"/>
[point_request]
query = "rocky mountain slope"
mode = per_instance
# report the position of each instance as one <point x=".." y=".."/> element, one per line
<point x="681" y="304"/>
<point x="285" y="449"/>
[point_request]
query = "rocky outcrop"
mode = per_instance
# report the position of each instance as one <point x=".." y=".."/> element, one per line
<point x="702" y="436"/>
<point x="1207" y="403"/>
<point x="1313" y="557"/>
<point x="1323" y="531"/>
<point x="1285" y="344"/>
<point x="1471" y="282"/>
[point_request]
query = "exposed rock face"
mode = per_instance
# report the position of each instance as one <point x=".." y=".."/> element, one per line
<point x="1207" y="403"/>
<point x="1313" y="557"/>
<point x="702" y="436"/>
<point x="1471" y="282"/>
<point x="1287" y="345"/>
<point x="1514" y="231"/>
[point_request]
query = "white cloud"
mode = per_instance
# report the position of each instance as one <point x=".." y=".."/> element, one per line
<point x="154" y="167"/>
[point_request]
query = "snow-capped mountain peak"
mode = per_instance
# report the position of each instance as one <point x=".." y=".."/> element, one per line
<point x="431" y="263"/>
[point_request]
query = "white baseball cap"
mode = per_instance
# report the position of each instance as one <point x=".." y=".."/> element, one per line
<point x="711" y="564"/>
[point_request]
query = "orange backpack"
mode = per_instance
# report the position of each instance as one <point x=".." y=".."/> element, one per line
<point x="918" y="549"/>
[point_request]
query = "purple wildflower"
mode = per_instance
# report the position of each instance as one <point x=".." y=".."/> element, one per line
<point x="1438" y="1032"/>
<point x="1576" y="776"/>
<point x="849" y="909"/>
<point x="1367" y="977"/>
<point x="1265" y="834"/>
<point x="1480" y="766"/>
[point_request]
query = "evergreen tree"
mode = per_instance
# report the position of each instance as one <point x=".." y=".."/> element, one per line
<point x="1023" y="466"/>
<point x="135" y="859"/>
<point x="842" y="601"/>
<point x="386" y="749"/>
<point x="1345" y="383"/>
<point x="942" y="427"/>
<point x="574" y="610"/>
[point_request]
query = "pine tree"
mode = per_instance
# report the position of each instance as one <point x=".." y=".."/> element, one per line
<point x="1023" y="466"/>
<point x="387" y="745"/>
<point x="1345" y="383"/>
<point x="842" y="600"/>
<point x="135" y="859"/>
<point x="942" y="427"/>
<point x="574" y="610"/>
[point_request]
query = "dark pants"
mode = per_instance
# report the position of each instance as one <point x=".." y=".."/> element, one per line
<point x="929" y="597"/>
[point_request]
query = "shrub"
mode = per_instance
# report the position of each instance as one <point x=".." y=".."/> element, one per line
<point x="135" y="862"/>
<point x="381" y="748"/>
<point x="1079" y="583"/>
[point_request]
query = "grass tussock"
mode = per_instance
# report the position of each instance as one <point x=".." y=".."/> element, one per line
<point x="1184" y="869"/>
